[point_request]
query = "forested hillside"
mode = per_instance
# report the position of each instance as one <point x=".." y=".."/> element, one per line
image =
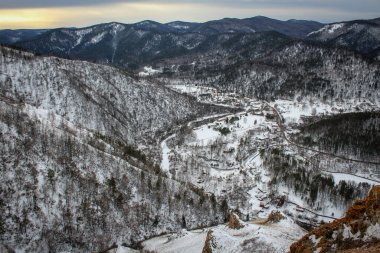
<point x="352" y="134"/>
<point x="149" y="129"/>
<point x="297" y="70"/>
<point x="72" y="175"/>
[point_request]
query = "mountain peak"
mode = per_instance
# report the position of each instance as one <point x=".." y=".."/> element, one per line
<point x="148" y="23"/>
<point x="181" y="25"/>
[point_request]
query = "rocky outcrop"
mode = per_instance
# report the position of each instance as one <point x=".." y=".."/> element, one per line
<point x="360" y="228"/>
<point x="275" y="216"/>
<point x="207" y="248"/>
<point x="371" y="249"/>
<point x="234" y="222"/>
<point x="210" y="243"/>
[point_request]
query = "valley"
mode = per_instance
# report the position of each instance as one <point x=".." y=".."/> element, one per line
<point x="225" y="157"/>
<point x="231" y="135"/>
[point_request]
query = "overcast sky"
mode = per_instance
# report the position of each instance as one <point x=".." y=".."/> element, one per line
<point x="79" y="13"/>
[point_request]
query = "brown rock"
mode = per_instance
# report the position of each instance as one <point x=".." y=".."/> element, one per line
<point x="371" y="249"/>
<point x="207" y="248"/>
<point x="274" y="217"/>
<point x="234" y="222"/>
<point x="362" y="214"/>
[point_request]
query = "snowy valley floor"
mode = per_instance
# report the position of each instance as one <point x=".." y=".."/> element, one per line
<point x="227" y="158"/>
<point x="277" y="237"/>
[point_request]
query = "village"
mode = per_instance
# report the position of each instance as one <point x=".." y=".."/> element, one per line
<point x="225" y="157"/>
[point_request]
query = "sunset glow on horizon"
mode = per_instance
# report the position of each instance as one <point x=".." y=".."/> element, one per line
<point x="76" y="15"/>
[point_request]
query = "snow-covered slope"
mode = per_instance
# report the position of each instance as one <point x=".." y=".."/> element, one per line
<point x="359" y="35"/>
<point x="8" y="36"/>
<point x="250" y="160"/>
<point x="264" y="237"/>
<point x="132" y="45"/>
<point x="95" y="97"/>
<point x="298" y="71"/>
<point x="73" y="176"/>
<point x="81" y="143"/>
<point x="257" y="236"/>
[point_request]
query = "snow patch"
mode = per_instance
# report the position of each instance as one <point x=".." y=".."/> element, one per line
<point x="149" y="71"/>
<point x="81" y="33"/>
<point x="122" y="249"/>
<point x="277" y="236"/>
<point x="373" y="231"/>
<point x="314" y="239"/>
<point x="328" y="28"/>
<point x="184" y="27"/>
<point x="347" y="234"/>
<point x="165" y="162"/>
<point x="348" y="177"/>
<point x="183" y="242"/>
<point x="98" y="37"/>
<point x="334" y="27"/>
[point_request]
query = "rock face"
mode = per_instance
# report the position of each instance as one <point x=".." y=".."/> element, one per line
<point x="234" y="222"/>
<point x="359" y="228"/>
<point x="274" y="217"/>
<point x="240" y="237"/>
<point x="209" y="243"/>
<point x="372" y="249"/>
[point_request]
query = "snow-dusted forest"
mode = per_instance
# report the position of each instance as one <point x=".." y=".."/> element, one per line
<point x="154" y="146"/>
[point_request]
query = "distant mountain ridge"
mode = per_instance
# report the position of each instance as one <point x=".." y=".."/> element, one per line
<point x="292" y="28"/>
<point x="81" y="141"/>
<point x="9" y="36"/>
<point x="360" y="35"/>
<point x="286" y="69"/>
<point x="133" y="45"/>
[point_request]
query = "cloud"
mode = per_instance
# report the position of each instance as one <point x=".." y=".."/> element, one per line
<point x="84" y="13"/>
<point x="362" y="5"/>
<point x="24" y="4"/>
